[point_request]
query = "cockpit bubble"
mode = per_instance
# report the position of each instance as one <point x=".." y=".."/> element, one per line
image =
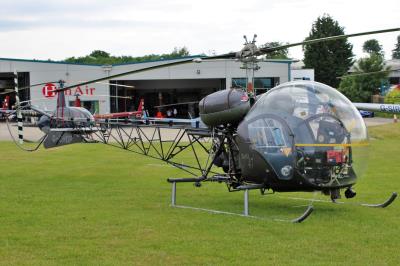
<point x="324" y="132"/>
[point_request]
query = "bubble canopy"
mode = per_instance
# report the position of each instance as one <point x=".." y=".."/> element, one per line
<point x="304" y="99"/>
<point x="309" y="128"/>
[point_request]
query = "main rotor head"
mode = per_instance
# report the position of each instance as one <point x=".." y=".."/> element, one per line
<point x="249" y="51"/>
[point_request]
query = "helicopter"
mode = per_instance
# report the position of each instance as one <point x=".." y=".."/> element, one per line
<point x="298" y="136"/>
<point x="60" y="126"/>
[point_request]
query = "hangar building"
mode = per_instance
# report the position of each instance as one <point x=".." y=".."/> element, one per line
<point x="176" y="84"/>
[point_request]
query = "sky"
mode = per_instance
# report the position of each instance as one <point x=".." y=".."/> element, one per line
<point x="45" y="29"/>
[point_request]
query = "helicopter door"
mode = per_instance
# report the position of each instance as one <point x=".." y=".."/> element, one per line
<point x="270" y="136"/>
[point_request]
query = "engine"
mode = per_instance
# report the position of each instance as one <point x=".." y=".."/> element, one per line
<point x="224" y="107"/>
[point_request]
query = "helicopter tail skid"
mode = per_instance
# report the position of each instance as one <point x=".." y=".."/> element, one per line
<point x="245" y="189"/>
<point x="384" y="204"/>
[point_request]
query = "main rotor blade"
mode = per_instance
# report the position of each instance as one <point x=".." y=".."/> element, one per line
<point x="174" y="104"/>
<point x="107" y="83"/>
<point x="7" y="92"/>
<point x="228" y="55"/>
<point x="222" y="56"/>
<point x="180" y="62"/>
<point x="368" y="73"/>
<point x="267" y="50"/>
<point x="27" y="87"/>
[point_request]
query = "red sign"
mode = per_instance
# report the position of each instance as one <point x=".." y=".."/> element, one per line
<point x="81" y="91"/>
<point x="49" y="90"/>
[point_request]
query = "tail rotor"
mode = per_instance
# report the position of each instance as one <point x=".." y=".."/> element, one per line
<point x="22" y="112"/>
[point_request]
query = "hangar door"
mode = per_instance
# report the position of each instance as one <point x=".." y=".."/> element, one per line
<point x="164" y="92"/>
<point x="7" y="86"/>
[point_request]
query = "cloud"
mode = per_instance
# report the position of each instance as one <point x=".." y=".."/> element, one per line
<point x="46" y="7"/>
<point x="59" y="29"/>
<point x="36" y="15"/>
<point x="7" y="25"/>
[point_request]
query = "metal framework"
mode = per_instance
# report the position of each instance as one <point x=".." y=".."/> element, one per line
<point x="148" y="140"/>
<point x="217" y="144"/>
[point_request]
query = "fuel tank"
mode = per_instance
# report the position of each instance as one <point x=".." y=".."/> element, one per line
<point x="224" y="107"/>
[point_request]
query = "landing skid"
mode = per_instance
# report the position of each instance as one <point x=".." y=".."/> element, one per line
<point x="384" y="204"/>
<point x="245" y="213"/>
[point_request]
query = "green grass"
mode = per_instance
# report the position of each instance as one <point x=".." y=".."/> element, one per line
<point x="92" y="204"/>
<point x="382" y="114"/>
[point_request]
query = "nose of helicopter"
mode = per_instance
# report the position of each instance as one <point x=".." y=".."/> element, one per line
<point x="308" y="131"/>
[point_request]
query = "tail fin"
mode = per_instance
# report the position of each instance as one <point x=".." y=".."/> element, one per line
<point x="56" y="139"/>
<point x="140" y="108"/>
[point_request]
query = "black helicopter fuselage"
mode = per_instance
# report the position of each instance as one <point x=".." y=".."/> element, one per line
<point x="287" y="166"/>
<point x="285" y="144"/>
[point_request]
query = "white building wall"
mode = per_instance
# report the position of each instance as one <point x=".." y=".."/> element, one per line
<point x="207" y="69"/>
<point x="73" y="73"/>
<point x="40" y="72"/>
<point x="302" y="74"/>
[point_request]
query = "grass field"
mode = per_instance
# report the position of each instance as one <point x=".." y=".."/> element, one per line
<point x="92" y="204"/>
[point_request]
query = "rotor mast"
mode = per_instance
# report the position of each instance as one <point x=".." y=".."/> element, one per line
<point x="60" y="102"/>
<point x="248" y="57"/>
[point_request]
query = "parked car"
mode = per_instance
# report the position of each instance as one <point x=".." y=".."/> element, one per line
<point x="367" y="113"/>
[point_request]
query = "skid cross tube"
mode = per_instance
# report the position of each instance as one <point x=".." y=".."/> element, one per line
<point x="173" y="182"/>
<point x="246" y="212"/>
<point x="173" y="194"/>
<point x="246" y="202"/>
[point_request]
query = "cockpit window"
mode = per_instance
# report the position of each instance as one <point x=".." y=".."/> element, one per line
<point x="271" y="138"/>
<point x="267" y="133"/>
<point x="301" y="100"/>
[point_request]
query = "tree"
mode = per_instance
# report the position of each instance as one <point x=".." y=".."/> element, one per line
<point x="99" y="54"/>
<point x="396" y="50"/>
<point x="360" y="86"/>
<point x="329" y="59"/>
<point x="103" y="58"/>
<point x="179" y="52"/>
<point x="372" y="46"/>
<point x="280" y="54"/>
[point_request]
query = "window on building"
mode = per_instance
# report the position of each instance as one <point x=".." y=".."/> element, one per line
<point x="239" y="83"/>
<point x="394" y="80"/>
<point x="261" y="84"/>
